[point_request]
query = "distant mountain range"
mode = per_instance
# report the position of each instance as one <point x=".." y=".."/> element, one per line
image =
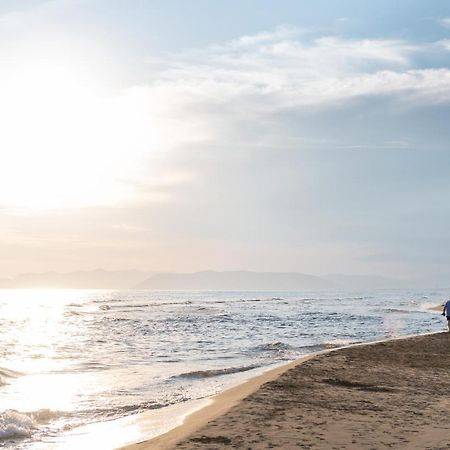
<point x="239" y="281"/>
<point x="207" y="280"/>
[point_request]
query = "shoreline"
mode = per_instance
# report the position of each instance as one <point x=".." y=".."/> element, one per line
<point x="218" y="405"/>
<point x="222" y="403"/>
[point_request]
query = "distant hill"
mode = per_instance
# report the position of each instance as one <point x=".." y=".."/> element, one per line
<point x="361" y="282"/>
<point x="207" y="280"/>
<point x="236" y="281"/>
<point x="94" y="279"/>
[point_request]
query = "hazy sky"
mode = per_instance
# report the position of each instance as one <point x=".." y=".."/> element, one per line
<point x="307" y="136"/>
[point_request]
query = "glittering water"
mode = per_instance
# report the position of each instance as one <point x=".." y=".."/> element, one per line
<point x="73" y="357"/>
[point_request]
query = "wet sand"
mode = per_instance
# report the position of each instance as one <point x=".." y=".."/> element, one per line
<point x="388" y="395"/>
<point x="437" y="308"/>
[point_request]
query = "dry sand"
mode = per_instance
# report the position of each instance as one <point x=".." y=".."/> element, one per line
<point x="394" y="394"/>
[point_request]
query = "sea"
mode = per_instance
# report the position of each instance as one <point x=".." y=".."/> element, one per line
<point x="104" y="368"/>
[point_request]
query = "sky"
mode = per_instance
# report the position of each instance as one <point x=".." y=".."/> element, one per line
<point x="176" y="136"/>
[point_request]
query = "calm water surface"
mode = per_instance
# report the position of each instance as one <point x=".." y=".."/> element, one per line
<point x="74" y="357"/>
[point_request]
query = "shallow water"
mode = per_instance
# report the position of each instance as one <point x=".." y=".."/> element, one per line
<point x="69" y="358"/>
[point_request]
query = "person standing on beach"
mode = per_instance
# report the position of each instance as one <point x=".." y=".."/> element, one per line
<point x="446" y="312"/>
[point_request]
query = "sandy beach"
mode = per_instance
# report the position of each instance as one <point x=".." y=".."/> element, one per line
<point x="392" y="394"/>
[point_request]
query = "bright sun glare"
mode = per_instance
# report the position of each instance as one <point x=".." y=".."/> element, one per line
<point x="66" y="143"/>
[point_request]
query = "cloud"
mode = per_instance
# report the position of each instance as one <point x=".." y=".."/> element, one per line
<point x="445" y="43"/>
<point x="445" y="22"/>
<point x="312" y="142"/>
<point x="285" y="68"/>
<point x="282" y="32"/>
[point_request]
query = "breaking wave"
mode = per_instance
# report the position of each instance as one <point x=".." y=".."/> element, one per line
<point x="216" y="372"/>
<point x="15" y="424"/>
<point x="275" y="346"/>
<point x="7" y="374"/>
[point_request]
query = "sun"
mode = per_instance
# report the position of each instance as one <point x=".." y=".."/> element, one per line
<point x="65" y="142"/>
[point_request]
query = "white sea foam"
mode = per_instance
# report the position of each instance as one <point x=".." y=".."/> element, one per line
<point x="45" y="415"/>
<point x="15" y="425"/>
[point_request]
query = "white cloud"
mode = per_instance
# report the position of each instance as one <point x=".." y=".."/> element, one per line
<point x="286" y="68"/>
<point x="196" y="97"/>
<point x="445" y="22"/>
<point x="444" y="43"/>
<point x="280" y="33"/>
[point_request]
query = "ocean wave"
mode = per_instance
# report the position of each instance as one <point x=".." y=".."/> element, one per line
<point x="90" y="366"/>
<point x="313" y="348"/>
<point x="396" y="311"/>
<point x="42" y="416"/>
<point x="114" y="412"/>
<point x="8" y="374"/>
<point x="15" y="424"/>
<point x="144" y="305"/>
<point x="216" y="372"/>
<point x="273" y="346"/>
<point x="71" y="313"/>
<point x="292" y="352"/>
<point x="134" y="305"/>
<point x="108" y="300"/>
<point x="207" y="310"/>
